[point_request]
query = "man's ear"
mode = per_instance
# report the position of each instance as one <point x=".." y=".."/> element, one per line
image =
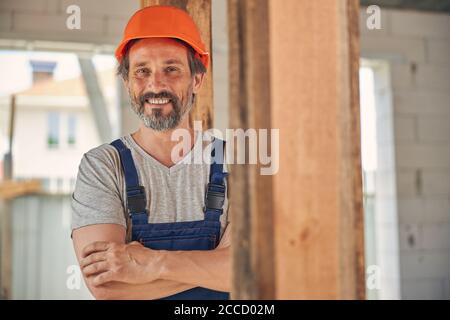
<point x="198" y="82"/>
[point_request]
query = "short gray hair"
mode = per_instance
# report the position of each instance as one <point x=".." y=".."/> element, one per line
<point x="195" y="65"/>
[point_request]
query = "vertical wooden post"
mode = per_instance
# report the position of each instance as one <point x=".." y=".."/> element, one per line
<point x="5" y="216"/>
<point x="5" y="247"/>
<point x="200" y="11"/>
<point x="252" y="194"/>
<point x="294" y="66"/>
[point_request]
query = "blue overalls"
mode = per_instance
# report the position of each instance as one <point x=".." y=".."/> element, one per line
<point x="191" y="235"/>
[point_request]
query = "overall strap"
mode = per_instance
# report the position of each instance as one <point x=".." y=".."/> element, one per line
<point x="136" y="200"/>
<point x="215" y="191"/>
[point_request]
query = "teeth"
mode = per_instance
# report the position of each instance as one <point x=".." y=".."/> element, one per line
<point x="158" y="101"/>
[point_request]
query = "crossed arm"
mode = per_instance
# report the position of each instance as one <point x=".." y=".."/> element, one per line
<point x="115" y="270"/>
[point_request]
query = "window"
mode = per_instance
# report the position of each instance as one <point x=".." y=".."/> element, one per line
<point x="71" y="130"/>
<point x="380" y="198"/>
<point x="53" y="130"/>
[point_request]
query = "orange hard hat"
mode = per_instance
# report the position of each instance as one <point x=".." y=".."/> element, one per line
<point x="163" y="22"/>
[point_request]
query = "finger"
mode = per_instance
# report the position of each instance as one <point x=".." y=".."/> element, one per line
<point x="96" y="268"/>
<point x="93" y="258"/>
<point x="103" y="278"/>
<point x="95" y="247"/>
<point x="135" y="243"/>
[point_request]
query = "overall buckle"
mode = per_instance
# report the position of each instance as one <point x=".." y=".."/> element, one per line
<point x="136" y="199"/>
<point x="215" y="196"/>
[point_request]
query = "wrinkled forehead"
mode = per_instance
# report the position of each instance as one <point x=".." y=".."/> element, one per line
<point x="158" y="50"/>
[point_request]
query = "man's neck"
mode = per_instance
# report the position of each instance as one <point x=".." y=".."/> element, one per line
<point x="159" y="144"/>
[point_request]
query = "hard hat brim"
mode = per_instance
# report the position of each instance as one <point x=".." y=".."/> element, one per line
<point x="202" y="55"/>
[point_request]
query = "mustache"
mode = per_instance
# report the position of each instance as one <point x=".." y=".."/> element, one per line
<point x="159" y="95"/>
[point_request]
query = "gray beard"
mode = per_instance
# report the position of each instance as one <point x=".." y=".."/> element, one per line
<point x="159" y="122"/>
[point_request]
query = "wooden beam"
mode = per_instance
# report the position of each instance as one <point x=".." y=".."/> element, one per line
<point x="12" y="189"/>
<point x="298" y="73"/>
<point x="356" y="213"/>
<point x="6" y="251"/>
<point x="7" y="159"/>
<point x="200" y="11"/>
<point x="252" y="199"/>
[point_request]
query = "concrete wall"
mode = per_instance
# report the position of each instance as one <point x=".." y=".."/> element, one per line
<point x="102" y="22"/>
<point x="417" y="47"/>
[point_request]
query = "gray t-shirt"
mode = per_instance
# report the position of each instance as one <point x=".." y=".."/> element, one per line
<point x="173" y="194"/>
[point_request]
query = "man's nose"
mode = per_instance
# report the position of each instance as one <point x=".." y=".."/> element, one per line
<point x="156" y="82"/>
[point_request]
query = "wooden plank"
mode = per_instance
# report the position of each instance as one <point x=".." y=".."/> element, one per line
<point x="318" y="210"/>
<point x="356" y="223"/>
<point x="6" y="250"/>
<point x="310" y="93"/>
<point x="11" y="189"/>
<point x="252" y="208"/>
<point x="5" y="215"/>
<point x="200" y="11"/>
<point x="7" y="160"/>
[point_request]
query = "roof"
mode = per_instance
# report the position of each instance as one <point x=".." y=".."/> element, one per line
<point x="68" y="87"/>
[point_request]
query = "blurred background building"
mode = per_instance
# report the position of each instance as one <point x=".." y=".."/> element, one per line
<point x="68" y="100"/>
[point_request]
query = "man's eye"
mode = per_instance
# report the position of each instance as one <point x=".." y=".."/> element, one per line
<point x="171" y="69"/>
<point x="142" y="72"/>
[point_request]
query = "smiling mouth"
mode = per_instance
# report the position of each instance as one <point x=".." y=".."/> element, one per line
<point x="157" y="102"/>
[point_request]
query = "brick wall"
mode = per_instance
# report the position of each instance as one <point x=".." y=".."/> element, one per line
<point x="102" y="21"/>
<point x="417" y="46"/>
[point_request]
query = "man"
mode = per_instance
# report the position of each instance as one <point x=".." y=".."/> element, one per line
<point x="146" y="226"/>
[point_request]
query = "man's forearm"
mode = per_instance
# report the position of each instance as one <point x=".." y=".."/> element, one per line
<point x="179" y="271"/>
<point x="115" y="270"/>
<point x="146" y="291"/>
<point x="209" y="269"/>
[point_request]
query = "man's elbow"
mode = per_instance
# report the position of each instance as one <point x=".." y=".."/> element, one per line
<point x="100" y="294"/>
<point x="103" y="293"/>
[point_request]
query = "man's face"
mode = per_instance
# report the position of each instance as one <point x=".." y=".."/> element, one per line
<point x="160" y="83"/>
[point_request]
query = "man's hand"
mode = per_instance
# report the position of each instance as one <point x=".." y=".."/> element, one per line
<point x="130" y="270"/>
<point x="131" y="263"/>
